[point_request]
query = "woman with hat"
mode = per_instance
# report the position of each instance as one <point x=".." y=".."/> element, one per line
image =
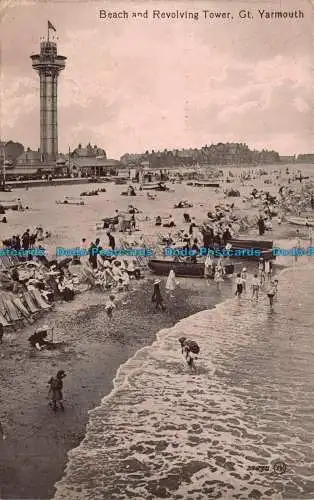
<point x="157" y="297"/>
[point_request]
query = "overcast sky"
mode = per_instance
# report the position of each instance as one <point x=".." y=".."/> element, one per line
<point x="135" y="84"/>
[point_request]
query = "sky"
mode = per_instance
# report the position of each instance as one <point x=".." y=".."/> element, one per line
<point x="132" y="85"/>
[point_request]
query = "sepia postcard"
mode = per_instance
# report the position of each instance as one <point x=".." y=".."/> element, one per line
<point x="156" y="250"/>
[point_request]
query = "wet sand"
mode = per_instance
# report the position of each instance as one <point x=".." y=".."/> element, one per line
<point x="34" y="454"/>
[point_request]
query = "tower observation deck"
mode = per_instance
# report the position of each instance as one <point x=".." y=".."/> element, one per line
<point x="48" y="65"/>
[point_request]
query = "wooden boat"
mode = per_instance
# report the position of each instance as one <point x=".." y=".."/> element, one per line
<point x="159" y="186"/>
<point x="264" y="246"/>
<point x="260" y="244"/>
<point x="70" y="201"/>
<point x="300" y="221"/>
<point x="204" y="184"/>
<point x="93" y="179"/>
<point x="9" y="205"/>
<point x="183" y="269"/>
<point x="120" y="181"/>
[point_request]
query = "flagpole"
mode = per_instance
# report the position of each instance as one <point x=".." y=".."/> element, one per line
<point x="48" y="31"/>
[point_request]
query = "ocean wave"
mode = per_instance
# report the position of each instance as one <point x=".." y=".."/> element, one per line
<point x="221" y="433"/>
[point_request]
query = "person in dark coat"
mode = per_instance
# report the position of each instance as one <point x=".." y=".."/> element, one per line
<point x="55" y="393"/>
<point x="157" y="297"/>
<point x="25" y="240"/>
<point x="93" y="253"/>
<point x="261" y="226"/>
<point x="112" y="241"/>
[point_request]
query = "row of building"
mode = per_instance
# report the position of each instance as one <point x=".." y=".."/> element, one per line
<point x="81" y="162"/>
<point x="92" y="160"/>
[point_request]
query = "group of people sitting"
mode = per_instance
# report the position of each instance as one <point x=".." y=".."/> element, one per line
<point x="52" y="282"/>
<point x="111" y="273"/>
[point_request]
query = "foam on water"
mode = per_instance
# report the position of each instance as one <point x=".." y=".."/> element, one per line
<point x="164" y="433"/>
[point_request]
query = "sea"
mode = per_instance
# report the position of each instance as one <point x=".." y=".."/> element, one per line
<point x="242" y="427"/>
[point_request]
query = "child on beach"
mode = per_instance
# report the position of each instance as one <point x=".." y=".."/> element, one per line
<point x="110" y="306"/>
<point x="255" y="287"/>
<point x="298" y="245"/>
<point x="271" y="294"/>
<point x="261" y="270"/>
<point x="268" y="269"/>
<point x="244" y="278"/>
<point x="239" y="285"/>
<point x="2" y="434"/>
<point x="187" y="354"/>
<point x="55" y="393"/>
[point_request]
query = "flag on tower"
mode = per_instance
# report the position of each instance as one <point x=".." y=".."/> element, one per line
<point x="51" y="26"/>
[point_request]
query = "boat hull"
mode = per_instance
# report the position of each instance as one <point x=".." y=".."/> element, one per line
<point x="182" y="269"/>
<point x="204" y="184"/>
<point x="263" y="246"/>
<point x="300" y="221"/>
<point x="70" y="203"/>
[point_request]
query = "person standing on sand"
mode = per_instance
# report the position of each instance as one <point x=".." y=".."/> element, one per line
<point x="93" y="250"/>
<point x="171" y="282"/>
<point x="244" y="278"/>
<point x="255" y="287"/>
<point x="268" y="269"/>
<point x="110" y="306"/>
<point x="218" y="276"/>
<point x="298" y="245"/>
<point x="157" y="297"/>
<point x="239" y="285"/>
<point x="208" y="268"/>
<point x="271" y="294"/>
<point x="112" y="241"/>
<point x="261" y="225"/>
<point x="2" y="434"/>
<point x="55" y="393"/>
<point x="261" y="270"/>
<point x="309" y="226"/>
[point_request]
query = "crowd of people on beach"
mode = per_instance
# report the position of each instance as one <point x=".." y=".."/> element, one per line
<point x="39" y="282"/>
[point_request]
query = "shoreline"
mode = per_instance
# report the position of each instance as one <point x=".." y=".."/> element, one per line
<point x="33" y="466"/>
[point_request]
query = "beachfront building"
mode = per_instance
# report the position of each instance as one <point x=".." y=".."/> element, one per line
<point x="287" y="159"/>
<point x="48" y="65"/>
<point x="10" y="151"/>
<point x="91" y="161"/>
<point x="29" y="165"/>
<point x="94" y="167"/>
<point x="305" y="158"/>
<point x="232" y="154"/>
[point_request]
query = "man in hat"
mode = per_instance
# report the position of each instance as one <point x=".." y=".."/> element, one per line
<point x="157" y="297"/>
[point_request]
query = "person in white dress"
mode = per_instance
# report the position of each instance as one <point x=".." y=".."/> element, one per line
<point x="171" y="283"/>
<point x="219" y="272"/>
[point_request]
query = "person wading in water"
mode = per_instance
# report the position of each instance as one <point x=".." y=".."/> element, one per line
<point x="189" y="349"/>
<point x="55" y="394"/>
